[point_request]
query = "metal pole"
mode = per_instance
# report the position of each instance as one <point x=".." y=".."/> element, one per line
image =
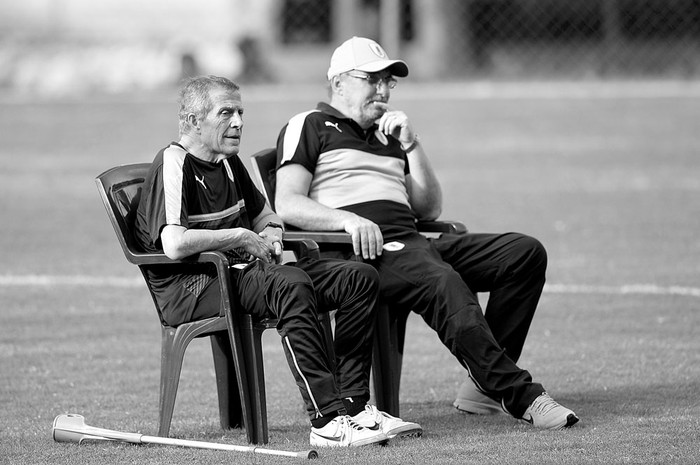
<point x="390" y="26"/>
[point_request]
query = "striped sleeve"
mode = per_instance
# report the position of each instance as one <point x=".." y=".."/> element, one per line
<point x="173" y="162"/>
<point x="299" y="141"/>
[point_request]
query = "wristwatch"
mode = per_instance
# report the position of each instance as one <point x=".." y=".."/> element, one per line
<point x="413" y="145"/>
<point x="272" y="224"/>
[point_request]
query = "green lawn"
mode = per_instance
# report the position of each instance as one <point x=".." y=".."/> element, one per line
<point x="609" y="185"/>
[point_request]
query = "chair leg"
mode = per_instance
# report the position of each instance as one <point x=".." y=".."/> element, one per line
<point x="251" y="334"/>
<point x="172" y="354"/>
<point x="389" y="336"/>
<point x="230" y="411"/>
<point x="252" y="341"/>
<point x="173" y="345"/>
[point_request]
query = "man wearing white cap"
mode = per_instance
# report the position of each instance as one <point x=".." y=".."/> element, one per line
<point x="357" y="165"/>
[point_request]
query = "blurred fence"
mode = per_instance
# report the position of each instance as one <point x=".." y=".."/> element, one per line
<point x="517" y="38"/>
<point x="61" y="46"/>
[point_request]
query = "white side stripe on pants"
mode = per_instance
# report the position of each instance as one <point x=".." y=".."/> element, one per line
<point x="308" y="388"/>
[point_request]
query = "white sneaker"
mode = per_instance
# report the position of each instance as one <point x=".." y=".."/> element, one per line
<point x="471" y="400"/>
<point x="343" y="431"/>
<point x="545" y="412"/>
<point x="374" y="419"/>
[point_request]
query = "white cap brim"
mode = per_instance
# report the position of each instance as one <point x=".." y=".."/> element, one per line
<point x="359" y="53"/>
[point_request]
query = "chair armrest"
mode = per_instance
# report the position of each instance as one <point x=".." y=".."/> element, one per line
<point x="446" y="226"/>
<point x="218" y="259"/>
<point x="302" y="247"/>
<point x="146" y="258"/>
<point x="341" y="237"/>
<point x="320" y="237"/>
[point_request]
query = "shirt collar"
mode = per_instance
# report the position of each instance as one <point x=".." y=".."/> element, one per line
<point x="324" y="107"/>
<point x="328" y="109"/>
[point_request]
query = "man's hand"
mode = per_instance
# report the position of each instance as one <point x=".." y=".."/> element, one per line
<point x="274" y="237"/>
<point x="367" y="239"/>
<point x="395" y="123"/>
<point x="260" y="247"/>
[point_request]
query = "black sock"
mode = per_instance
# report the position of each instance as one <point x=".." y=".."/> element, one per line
<point x="355" y="405"/>
<point x="324" y="420"/>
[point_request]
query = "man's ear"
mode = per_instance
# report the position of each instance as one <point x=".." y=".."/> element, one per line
<point x="336" y="84"/>
<point x="193" y="121"/>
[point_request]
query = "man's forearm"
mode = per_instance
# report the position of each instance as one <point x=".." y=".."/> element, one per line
<point x="304" y="213"/>
<point x="179" y="242"/>
<point x="424" y="188"/>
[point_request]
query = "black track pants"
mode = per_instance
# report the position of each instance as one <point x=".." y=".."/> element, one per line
<point x="439" y="279"/>
<point x="295" y="295"/>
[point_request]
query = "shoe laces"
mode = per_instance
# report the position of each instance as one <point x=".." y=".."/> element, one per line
<point x="350" y="422"/>
<point x="543" y="404"/>
<point x="373" y="413"/>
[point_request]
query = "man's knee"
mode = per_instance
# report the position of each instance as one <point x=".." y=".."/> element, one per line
<point x="531" y="252"/>
<point x="538" y="254"/>
<point x="292" y="280"/>
<point x="361" y="273"/>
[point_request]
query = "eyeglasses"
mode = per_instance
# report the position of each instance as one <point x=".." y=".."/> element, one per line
<point x="375" y="79"/>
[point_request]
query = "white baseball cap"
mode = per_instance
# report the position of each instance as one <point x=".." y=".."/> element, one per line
<point x="363" y="55"/>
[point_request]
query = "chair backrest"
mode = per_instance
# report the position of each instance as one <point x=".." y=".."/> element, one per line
<point x="120" y="190"/>
<point x="264" y="165"/>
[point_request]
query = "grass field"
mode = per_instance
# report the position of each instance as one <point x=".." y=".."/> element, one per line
<point x="608" y="181"/>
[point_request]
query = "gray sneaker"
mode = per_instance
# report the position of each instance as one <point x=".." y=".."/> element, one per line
<point x="545" y="412"/>
<point x="471" y="400"/>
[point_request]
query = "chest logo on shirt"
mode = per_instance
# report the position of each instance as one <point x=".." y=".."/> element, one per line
<point x="201" y="181"/>
<point x="333" y="125"/>
<point x="381" y="137"/>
